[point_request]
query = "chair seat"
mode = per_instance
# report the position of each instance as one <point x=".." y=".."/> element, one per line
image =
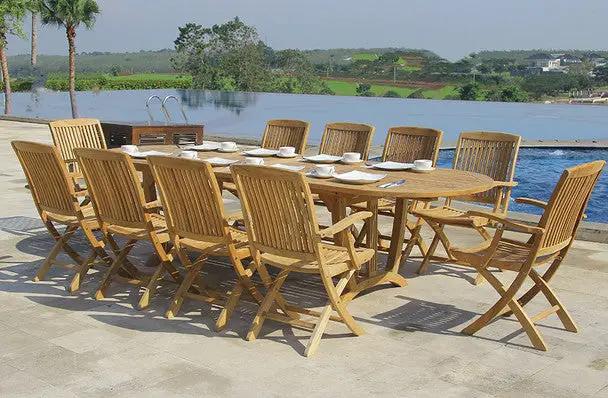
<point x="88" y="212"/>
<point x="336" y="258"/>
<point x="451" y="216"/>
<point x="230" y="187"/>
<point x="508" y="256"/>
<point x="384" y="205"/>
<point x="158" y="223"/>
<point x="215" y="248"/>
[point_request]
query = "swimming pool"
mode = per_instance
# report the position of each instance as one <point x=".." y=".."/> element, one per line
<point x="539" y="169"/>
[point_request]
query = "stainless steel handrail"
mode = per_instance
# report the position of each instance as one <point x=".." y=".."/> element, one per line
<point x="167" y="114"/>
<point x="148" y="101"/>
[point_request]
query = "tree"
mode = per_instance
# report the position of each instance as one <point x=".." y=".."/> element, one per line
<point x="601" y="73"/>
<point x="70" y="14"/>
<point x="11" y="17"/>
<point x="470" y="92"/>
<point x="508" y="93"/>
<point x="364" y="90"/>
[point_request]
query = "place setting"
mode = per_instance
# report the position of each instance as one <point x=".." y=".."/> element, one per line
<point x="286" y="152"/>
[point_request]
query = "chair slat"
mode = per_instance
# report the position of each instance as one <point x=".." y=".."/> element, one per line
<point x="282" y="132"/>
<point x="339" y="138"/>
<point x="76" y="133"/>
<point x="406" y="144"/>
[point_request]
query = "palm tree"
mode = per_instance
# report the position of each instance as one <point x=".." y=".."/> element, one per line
<point x="70" y="14"/>
<point x="34" y="52"/>
<point x="11" y="16"/>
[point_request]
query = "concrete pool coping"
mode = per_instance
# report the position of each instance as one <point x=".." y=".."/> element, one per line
<point x="588" y="231"/>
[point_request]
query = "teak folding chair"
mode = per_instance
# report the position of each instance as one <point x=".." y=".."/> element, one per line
<point x="121" y="210"/>
<point x="194" y="212"/>
<point x="549" y="243"/>
<point x="283" y="233"/>
<point x="405" y="144"/>
<point x="70" y="134"/>
<point x="280" y="133"/>
<point x="339" y="138"/>
<point x="492" y="154"/>
<point x="58" y="202"/>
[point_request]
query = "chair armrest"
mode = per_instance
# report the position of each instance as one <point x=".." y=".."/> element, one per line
<point x="509" y="224"/>
<point x="345" y="223"/>
<point x="154" y="205"/>
<point x="234" y="216"/>
<point x="508" y="184"/>
<point x="532" y="202"/>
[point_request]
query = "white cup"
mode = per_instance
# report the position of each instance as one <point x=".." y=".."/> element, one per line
<point x="324" y="170"/>
<point x="129" y="149"/>
<point x="254" y="161"/>
<point x="287" y="151"/>
<point x="351" y="157"/>
<point x="423" y="164"/>
<point x="228" y="146"/>
<point x="188" y="154"/>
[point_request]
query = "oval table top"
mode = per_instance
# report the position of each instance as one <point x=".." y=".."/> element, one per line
<point x="437" y="183"/>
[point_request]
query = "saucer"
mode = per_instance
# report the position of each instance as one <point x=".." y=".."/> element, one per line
<point x="313" y="173"/>
<point x="422" y="170"/>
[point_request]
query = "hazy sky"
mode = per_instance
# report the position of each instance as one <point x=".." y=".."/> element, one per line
<point x="452" y="28"/>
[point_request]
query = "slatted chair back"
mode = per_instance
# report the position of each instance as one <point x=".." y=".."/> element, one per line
<point x="76" y="133"/>
<point x="339" y="138"/>
<point x="191" y="198"/>
<point x="47" y="177"/>
<point x="566" y="207"/>
<point x="114" y="187"/>
<point x="280" y="133"/>
<point x="278" y="211"/>
<point x="492" y="154"/>
<point x="406" y="144"/>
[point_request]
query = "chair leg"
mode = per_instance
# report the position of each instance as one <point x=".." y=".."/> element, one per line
<point x="552" y="298"/>
<point x="280" y="301"/>
<point x="150" y="289"/>
<point x="226" y="314"/>
<point x="178" y="299"/>
<point x="427" y="259"/>
<point x="82" y="271"/>
<point x="271" y="296"/>
<point x="116" y="265"/>
<point x="333" y="292"/>
<point x="507" y="299"/>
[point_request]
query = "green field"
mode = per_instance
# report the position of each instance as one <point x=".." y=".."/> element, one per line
<point x="341" y="87"/>
<point x="365" y="57"/>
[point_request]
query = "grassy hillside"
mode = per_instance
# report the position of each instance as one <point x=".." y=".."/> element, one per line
<point x="341" y="56"/>
<point x="521" y="55"/>
<point x="341" y="87"/>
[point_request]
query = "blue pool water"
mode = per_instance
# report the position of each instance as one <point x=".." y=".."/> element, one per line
<point x="245" y="114"/>
<point x="539" y="169"/>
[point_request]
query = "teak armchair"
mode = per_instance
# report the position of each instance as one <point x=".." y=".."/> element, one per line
<point x="121" y="209"/>
<point x="281" y="132"/>
<point x="405" y="144"/>
<point x="70" y="134"/>
<point x="194" y="212"/>
<point x="283" y="233"/>
<point x="492" y="154"/>
<point x="549" y="243"/>
<point x="346" y="137"/>
<point x="58" y="202"/>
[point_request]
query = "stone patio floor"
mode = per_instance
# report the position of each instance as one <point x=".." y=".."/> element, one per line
<point x="56" y="344"/>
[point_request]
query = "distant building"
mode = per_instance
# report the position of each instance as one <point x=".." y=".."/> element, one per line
<point x="539" y="60"/>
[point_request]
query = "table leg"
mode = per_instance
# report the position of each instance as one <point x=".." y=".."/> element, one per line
<point x="371" y="237"/>
<point x="397" y="235"/>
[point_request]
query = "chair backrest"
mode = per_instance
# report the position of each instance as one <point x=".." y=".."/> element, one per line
<point x="69" y="134"/>
<point x="191" y="198"/>
<point x="114" y="187"/>
<point x="280" y="133"/>
<point x="406" y="144"/>
<point x="48" y="179"/>
<point x="278" y="211"/>
<point x="567" y="205"/>
<point x="346" y="137"/>
<point x="492" y="154"/>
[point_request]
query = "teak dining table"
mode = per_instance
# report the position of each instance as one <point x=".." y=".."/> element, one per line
<point x="337" y="196"/>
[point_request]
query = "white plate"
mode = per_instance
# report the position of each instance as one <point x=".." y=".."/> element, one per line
<point x="313" y="173"/>
<point x="422" y="170"/>
<point x="293" y="155"/>
<point x="392" y="166"/>
<point x="287" y="167"/>
<point x="263" y="152"/>
<point x="358" y="177"/>
<point x="205" y="146"/>
<point x="323" y="158"/>
<point x="220" y="162"/>
<point x="141" y="155"/>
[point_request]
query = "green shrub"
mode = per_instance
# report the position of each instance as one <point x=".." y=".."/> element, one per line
<point x="391" y="94"/>
<point x="89" y="82"/>
<point x="19" y="85"/>
<point x="417" y="94"/>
